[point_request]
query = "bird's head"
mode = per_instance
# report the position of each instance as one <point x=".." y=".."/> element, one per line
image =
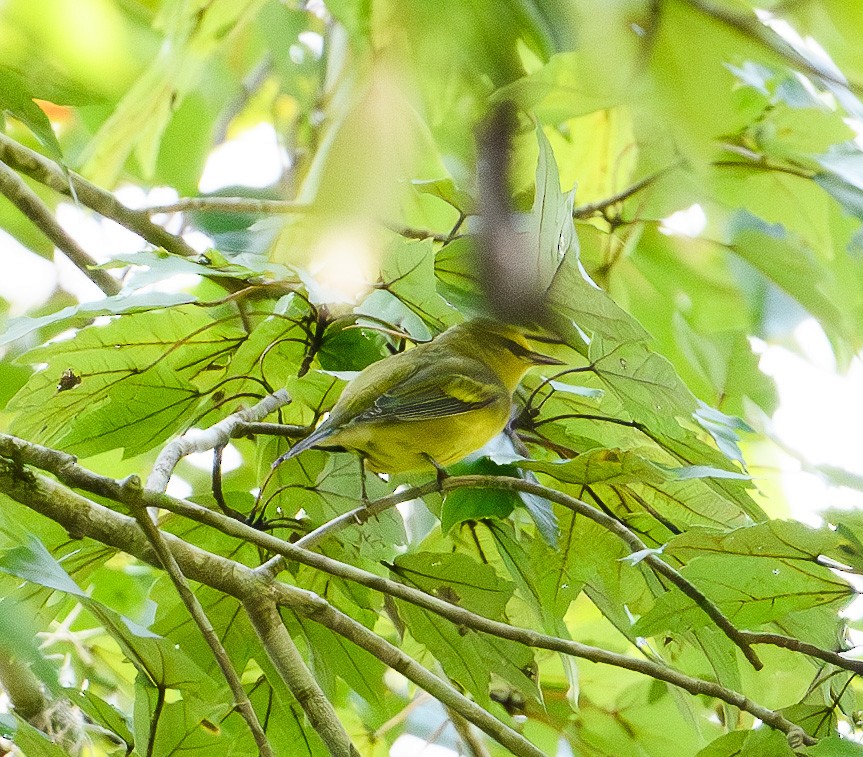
<point x="503" y="347"/>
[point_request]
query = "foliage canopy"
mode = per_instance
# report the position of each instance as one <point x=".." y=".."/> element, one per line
<point x="611" y="576"/>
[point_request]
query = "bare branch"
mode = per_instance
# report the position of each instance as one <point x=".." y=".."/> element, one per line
<point x="28" y="202"/>
<point x="50" y="174"/>
<point x="219" y="434"/>
<point x="283" y="653"/>
<point x="231" y="205"/>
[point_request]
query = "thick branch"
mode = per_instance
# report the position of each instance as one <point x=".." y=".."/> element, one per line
<point x="28" y="202"/>
<point x="81" y="516"/>
<point x="47" y="172"/>
<point x="465" y="618"/>
<point x="283" y="653"/>
<point x="219" y="434"/>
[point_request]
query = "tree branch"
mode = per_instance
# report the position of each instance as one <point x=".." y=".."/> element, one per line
<point x="283" y="653"/>
<point x="231" y="205"/>
<point x="274" y="207"/>
<point x="465" y="618"/>
<point x="635" y="544"/>
<point x="28" y="202"/>
<point x="81" y="516"/>
<point x="169" y="563"/>
<point x="360" y="515"/>
<point x="217" y="435"/>
<point x="50" y="174"/>
<point x="592" y="208"/>
<point x="318" y="609"/>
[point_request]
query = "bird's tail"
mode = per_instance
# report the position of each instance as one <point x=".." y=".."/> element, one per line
<point x="316" y="437"/>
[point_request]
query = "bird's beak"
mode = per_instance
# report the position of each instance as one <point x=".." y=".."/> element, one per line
<point x="537" y="358"/>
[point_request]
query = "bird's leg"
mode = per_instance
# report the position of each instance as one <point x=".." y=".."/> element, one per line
<point x="442" y="475"/>
<point x="363" y="491"/>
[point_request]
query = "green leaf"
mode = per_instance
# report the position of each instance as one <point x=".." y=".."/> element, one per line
<point x="130" y="383"/>
<point x="32" y="741"/>
<point x="446" y="190"/>
<point x="750" y="744"/>
<point x="457" y="579"/>
<point x="550" y="228"/>
<point x="835" y="746"/>
<point x="786" y="261"/>
<point x="188" y="726"/>
<point x="644" y="382"/>
<point x="751" y="591"/>
<point x="75" y="315"/>
<point x="779" y="539"/>
<point x="334" y="654"/>
<point x="575" y="296"/>
<point x="601" y="466"/>
<point x="106" y="715"/>
<point x="141" y="412"/>
<point x="407" y="271"/>
<point x="32" y="562"/>
<point x="16" y="97"/>
<point x="460" y="505"/>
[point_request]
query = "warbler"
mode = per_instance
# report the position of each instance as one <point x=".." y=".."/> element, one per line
<point x="432" y="405"/>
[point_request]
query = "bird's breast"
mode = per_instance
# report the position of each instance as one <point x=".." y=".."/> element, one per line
<point x="395" y="447"/>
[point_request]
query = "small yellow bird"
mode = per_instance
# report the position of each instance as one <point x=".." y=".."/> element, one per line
<point x="432" y="405"/>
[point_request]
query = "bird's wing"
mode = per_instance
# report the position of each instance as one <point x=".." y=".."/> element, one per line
<point x="432" y="393"/>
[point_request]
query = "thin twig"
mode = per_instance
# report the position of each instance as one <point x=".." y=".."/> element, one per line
<point x="274" y="207"/>
<point x="810" y="650"/>
<point x="199" y="616"/>
<point x="219" y="434"/>
<point x="50" y="174"/>
<point x="592" y="208"/>
<point x="28" y="202"/>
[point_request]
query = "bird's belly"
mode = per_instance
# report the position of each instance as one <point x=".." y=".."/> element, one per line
<point x="394" y="447"/>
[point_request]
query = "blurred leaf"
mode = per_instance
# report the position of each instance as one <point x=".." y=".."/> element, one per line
<point x="85" y="311"/>
<point x="16" y="97"/>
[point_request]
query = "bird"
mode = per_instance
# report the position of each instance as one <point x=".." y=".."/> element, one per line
<point x="432" y="405"/>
